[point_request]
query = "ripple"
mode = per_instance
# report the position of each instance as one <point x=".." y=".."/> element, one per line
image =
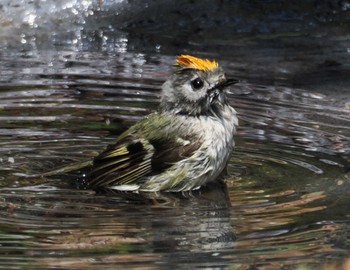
<point x="283" y="203"/>
<point x="245" y="225"/>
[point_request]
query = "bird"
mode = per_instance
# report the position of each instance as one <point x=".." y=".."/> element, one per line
<point x="182" y="146"/>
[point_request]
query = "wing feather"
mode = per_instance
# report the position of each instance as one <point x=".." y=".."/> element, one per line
<point x="134" y="157"/>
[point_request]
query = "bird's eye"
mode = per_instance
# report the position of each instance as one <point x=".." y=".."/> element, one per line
<point x="197" y="84"/>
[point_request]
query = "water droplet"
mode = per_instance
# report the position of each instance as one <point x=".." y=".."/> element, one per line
<point x="30" y="19"/>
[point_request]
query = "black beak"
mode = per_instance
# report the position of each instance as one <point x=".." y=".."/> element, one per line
<point x="223" y="84"/>
<point x="226" y="83"/>
<point x="214" y="92"/>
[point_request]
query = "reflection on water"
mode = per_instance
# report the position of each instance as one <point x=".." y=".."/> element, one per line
<point x="44" y="226"/>
<point x="284" y="201"/>
<point x="98" y="228"/>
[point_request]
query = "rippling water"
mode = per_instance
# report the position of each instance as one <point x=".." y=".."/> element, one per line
<point x="288" y="181"/>
<point x="285" y="199"/>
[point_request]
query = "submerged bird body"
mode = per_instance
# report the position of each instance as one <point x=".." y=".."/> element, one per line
<point x="184" y="145"/>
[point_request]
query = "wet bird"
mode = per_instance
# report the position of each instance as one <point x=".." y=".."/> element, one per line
<point x="184" y="145"/>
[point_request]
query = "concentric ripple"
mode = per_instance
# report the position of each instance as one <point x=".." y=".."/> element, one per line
<point x="284" y="201"/>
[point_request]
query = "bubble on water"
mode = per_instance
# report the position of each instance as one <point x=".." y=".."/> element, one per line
<point x="75" y="11"/>
<point x="23" y="39"/>
<point x="30" y="19"/>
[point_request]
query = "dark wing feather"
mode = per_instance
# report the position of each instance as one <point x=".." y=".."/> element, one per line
<point x="118" y="162"/>
<point x="168" y="152"/>
<point x="132" y="158"/>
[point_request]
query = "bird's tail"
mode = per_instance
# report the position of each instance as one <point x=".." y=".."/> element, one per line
<point x="64" y="169"/>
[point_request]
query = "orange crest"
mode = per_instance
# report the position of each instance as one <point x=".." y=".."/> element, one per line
<point x="188" y="61"/>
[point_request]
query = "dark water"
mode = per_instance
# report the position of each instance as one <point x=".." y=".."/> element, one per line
<point x="286" y="200"/>
<point x="285" y="203"/>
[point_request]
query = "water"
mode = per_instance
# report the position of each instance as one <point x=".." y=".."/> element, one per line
<point x="285" y="200"/>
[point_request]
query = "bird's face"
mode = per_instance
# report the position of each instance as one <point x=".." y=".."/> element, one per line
<point x="192" y="91"/>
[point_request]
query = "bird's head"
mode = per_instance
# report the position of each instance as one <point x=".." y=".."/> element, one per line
<point x="195" y="88"/>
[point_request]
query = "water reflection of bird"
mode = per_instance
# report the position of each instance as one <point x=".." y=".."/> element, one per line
<point x="125" y="229"/>
<point x="186" y="228"/>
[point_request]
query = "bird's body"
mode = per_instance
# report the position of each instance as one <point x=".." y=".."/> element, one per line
<point x="184" y="145"/>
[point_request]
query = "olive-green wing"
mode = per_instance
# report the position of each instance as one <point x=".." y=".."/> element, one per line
<point x="122" y="162"/>
<point x="133" y="158"/>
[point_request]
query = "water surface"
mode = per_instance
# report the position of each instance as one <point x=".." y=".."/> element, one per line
<point x="285" y="199"/>
<point x="285" y="202"/>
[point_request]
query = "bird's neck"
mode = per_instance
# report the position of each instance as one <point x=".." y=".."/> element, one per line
<point x="214" y="110"/>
